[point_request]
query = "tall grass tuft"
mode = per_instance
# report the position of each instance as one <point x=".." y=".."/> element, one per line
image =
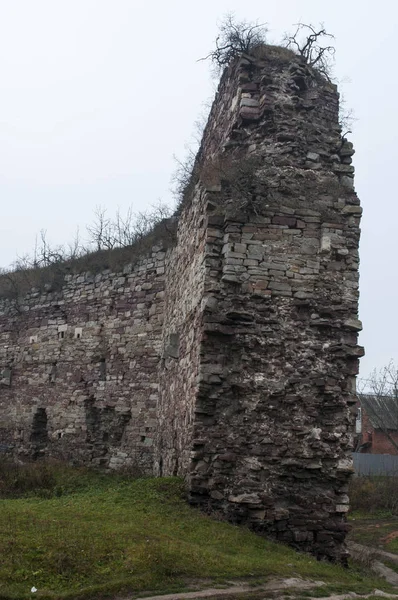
<point x="373" y="494"/>
<point x="18" y="479"/>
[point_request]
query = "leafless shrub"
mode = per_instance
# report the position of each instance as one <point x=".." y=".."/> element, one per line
<point x="307" y="42"/>
<point x="183" y="179"/>
<point x="46" y="266"/>
<point x="242" y="37"/>
<point x="236" y="177"/>
<point x="235" y="38"/>
<point x="346" y="116"/>
<point x="18" y="479"/>
<point x="243" y="181"/>
<point x="200" y="124"/>
<point x="106" y="233"/>
<point x="374" y="493"/>
<point x="45" y="255"/>
<point x="239" y="179"/>
<point x="185" y="175"/>
<point x="132" y="471"/>
<point x="111" y="244"/>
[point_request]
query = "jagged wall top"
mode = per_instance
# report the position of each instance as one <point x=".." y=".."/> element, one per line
<point x="272" y="79"/>
<point x="254" y="90"/>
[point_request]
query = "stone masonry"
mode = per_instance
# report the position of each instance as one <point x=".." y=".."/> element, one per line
<point x="230" y="358"/>
<point x="82" y="368"/>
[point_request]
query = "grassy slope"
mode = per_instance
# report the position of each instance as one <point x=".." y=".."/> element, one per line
<point x="102" y="535"/>
<point x="374" y="518"/>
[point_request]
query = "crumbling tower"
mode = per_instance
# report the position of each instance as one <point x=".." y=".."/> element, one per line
<point x="257" y="393"/>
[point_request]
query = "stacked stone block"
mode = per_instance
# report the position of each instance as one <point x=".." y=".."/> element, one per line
<point x="84" y="359"/>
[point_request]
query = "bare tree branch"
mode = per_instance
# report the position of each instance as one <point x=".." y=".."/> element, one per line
<point x="307" y="42"/>
<point x="380" y="392"/>
<point x="124" y="230"/>
<point x="47" y="266"/>
<point x="235" y="38"/>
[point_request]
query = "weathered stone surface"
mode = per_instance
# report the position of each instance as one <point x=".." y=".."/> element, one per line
<point x="284" y="394"/>
<point x="85" y="360"/>
<point x="231" y="357"/>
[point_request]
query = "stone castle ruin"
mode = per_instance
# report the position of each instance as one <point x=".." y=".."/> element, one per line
<point x="228" y="356"/>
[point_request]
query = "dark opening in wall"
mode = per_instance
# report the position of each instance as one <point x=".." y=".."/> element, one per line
<point x="62" y="331"/>
<point x="105" y="429"/>
<point x="303" y="309"/>
<point x="39" y="434"/>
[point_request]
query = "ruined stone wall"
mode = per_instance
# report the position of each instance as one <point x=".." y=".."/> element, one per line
<point x="279" y="355"/>
<point x="272" y="411"/>
<point x="79" y="368"/>
<point x="231" y="357"/>
<point x="181" y="339"/>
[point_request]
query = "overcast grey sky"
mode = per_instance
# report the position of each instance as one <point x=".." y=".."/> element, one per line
<point x="97" y="95"/>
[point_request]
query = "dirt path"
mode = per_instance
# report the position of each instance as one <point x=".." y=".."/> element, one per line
<point x="368" y="555"/>
<point x="353" y="595"/>
<point x="274" y="589"/>
<point x="277" y="585"/>
<point x="260" y="593"/>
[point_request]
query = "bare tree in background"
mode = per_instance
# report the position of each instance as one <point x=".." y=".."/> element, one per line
<point x="126" y="229"/>
<point x="346" y="116"/>
<point x="99" y="230"/>
<point x="45" y="255"/>
<point x="47" y="266"/>
<point x="182" y="178"/>
<point x="380" y="395"/>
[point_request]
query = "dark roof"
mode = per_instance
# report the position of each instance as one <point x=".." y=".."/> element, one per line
<point x="381" y="410"/>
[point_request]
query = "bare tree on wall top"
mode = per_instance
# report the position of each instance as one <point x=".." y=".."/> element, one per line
<point x="235" y="38"/>
<point x="242" y="37"/>
<point x="308" y="42"/>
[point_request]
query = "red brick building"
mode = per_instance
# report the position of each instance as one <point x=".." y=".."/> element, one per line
<point x="377" y="425"/>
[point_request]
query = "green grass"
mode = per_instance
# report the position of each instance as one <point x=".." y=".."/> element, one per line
<point x="95" y="535"/>
<point x="374" y="494"/>
<point x="374" y="515"/>
<point x="392" y="546"/>
<point x="362" y="515"/>
<point x="377" y="532"/>
<point x="391" y="565"/>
